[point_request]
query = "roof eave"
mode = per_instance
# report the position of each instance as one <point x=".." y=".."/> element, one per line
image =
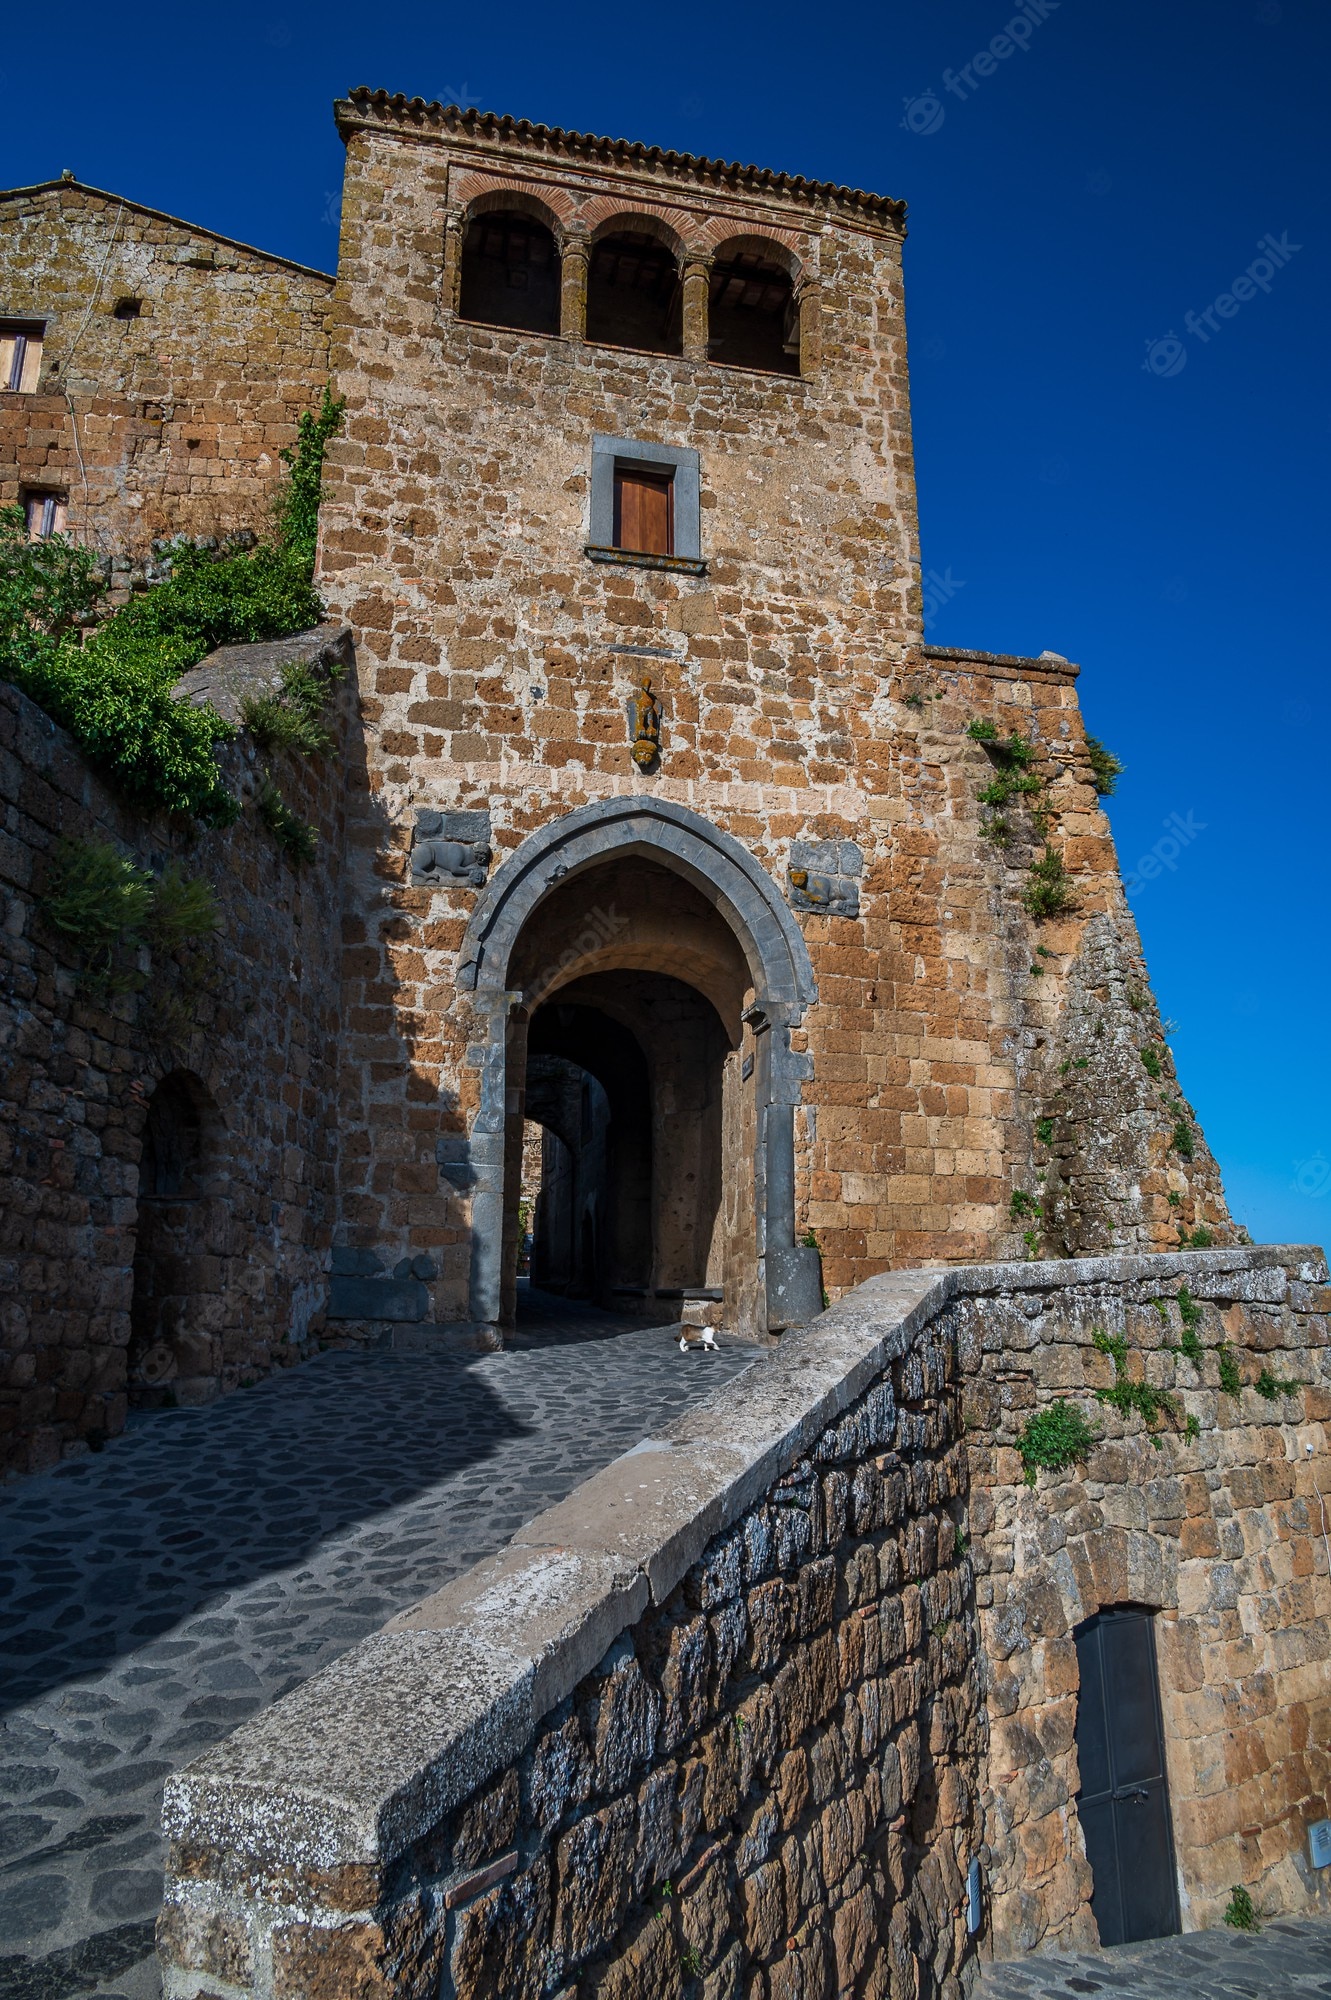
<point x="366" y="109"/>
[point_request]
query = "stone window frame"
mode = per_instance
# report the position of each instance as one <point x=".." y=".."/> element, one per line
<point x="684" y="467"/>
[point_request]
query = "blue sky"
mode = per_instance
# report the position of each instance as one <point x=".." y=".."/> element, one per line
<point x="1099" y="474"/>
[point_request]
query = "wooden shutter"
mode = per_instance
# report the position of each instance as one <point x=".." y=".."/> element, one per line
<point x="644" y="513"/>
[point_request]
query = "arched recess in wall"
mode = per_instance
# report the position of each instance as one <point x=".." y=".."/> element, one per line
<point x="176" y="1308"/>
<point x="554" y="922"/>
<point x="753" y="313"/>
<point x="510" y="266"/>
<point x="634" y="293"/>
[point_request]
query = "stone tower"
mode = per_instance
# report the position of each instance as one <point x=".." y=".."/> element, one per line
<point x="669" y="836"/>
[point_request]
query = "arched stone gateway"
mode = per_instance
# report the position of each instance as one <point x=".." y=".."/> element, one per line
<point x="641" y="916"/>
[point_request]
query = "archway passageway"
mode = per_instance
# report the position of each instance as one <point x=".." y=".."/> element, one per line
<point x="639" y="974"/>
<point x="622" y="1064"/>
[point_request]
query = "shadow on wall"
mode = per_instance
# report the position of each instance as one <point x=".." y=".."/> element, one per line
<point x="120" y="1547"/>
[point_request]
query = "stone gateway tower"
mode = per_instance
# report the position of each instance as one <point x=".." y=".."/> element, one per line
<point x="802" y="940"/>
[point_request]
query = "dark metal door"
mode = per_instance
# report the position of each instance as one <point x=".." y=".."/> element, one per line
<point x="1124" y="1799"/>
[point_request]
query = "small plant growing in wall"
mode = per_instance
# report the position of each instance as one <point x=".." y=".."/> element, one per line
<point x="1231" y="1381"/>
<point x="1151" y="1062"/>
<point x="1240" y="1915"/>
<point x="297" y="839"/>
<point x="1049" y="891"/>
<point x="1269" y="1386"/>
<point x="1126" y="1394"/>
<point x="108" y="909"/>
<point x="1055" y="1438"/>
<point x="1105" y="767"/>
<point x="1182" y="1140"/>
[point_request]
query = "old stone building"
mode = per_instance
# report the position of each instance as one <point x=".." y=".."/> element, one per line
<point x="150" y="371"/>
<point x="688" y="933"/>
<point x="663" y="781"/>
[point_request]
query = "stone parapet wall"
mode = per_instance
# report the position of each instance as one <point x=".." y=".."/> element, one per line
<point x="736" y="1717"/>
<point x="709" y="1725"/>
<point x="78" y="1067"/>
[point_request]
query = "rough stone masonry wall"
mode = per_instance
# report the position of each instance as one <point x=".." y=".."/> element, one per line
<point x="1224" y="1536"/>
<point x="734" y="1718"/>
<point x="77" y="1070"/>
<point x="798" y="706"/>
<point x="174" y="417"/>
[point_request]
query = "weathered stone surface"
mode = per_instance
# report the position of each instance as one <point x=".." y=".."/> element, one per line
<point x="182" y="408"/>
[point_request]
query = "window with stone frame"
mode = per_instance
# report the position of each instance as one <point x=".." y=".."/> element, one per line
<point x="46" y="512"/>
<point x="645" y="504"/>
<point x="21" y="354"/>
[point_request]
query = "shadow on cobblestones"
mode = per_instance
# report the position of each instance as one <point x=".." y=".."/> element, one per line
<point x="110" y="1551"/>
<point x="209" y="1560"/>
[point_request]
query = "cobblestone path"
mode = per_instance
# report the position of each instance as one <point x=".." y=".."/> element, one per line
<point x="209" y="1560"/>
<point x="1283" y="1961"/>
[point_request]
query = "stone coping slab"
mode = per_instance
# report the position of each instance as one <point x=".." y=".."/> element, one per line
<point x="362" y="1760"/>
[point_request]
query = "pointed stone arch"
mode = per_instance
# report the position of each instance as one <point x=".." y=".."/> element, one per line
<point x="739" y="889"/>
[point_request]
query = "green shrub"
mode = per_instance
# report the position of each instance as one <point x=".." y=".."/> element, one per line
<point x="293" y="718"/>
<point x="1048" y="892"/>
<point x="1190" y="1347"/>
<point x="1023" y="1204"/>
<point x="1189" y="1310"/>
<point x="1269" y="1386"/>
<point x="1055" y="1437"/>
<point x="1105" y="767"/>
<point x="1230" y="1379"/>
<point x="1182" y="1141"/>
<point x="1151" y="1062"/>
<point x="981" y="731"/>
<point x="1044" y="1131"/>
<point x="114" y="690"/>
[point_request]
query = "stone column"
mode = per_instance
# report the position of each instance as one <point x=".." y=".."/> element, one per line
<point x="574" y="265"/>
<point x="454" y="231"/>
<point x="697" y="283"/>
<point x="811" y="329"/>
